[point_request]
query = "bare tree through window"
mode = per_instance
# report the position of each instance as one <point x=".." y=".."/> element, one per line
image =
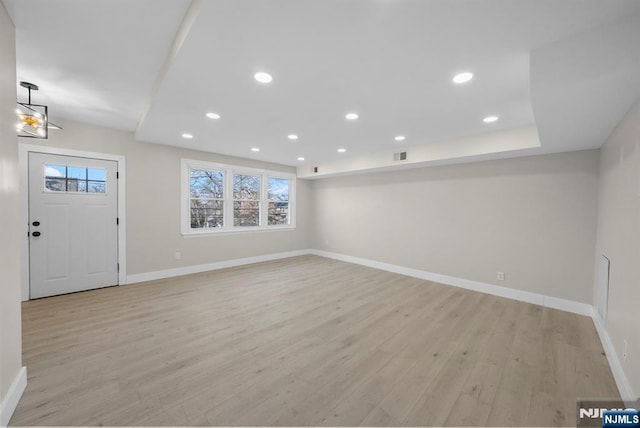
<point x="207" y="198"/>
<point x="246" y="200"/>
<point x="278" y="193"/>
<point x="221" y="198"/>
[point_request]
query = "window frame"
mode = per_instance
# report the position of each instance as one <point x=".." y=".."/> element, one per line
<point x="228" y="221"/>
<point x="66" y="179"/>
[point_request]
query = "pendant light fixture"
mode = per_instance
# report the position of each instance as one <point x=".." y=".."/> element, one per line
<point x="33" y="119"/>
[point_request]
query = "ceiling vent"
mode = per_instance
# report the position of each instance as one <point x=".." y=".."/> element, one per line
<point x="400" y="156"/>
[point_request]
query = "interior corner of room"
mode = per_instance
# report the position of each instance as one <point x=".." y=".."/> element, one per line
<point x="266" y="192"/>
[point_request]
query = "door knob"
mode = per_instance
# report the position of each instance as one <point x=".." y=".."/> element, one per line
<point x="36" y="234"/>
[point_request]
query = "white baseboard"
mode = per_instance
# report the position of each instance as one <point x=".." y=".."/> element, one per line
<point x="524" y="296"/>
<point x="568" y="305"/>
<point x="10" y="401"/>
<point x="187" y="270"/>
<point x="624" y="387"/>
<point x="496" y="290"/>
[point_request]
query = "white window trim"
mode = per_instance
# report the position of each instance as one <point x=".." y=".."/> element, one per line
<point x="229" y="170"/>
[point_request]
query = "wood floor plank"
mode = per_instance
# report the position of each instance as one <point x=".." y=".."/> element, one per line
<point x="304" y="341"/>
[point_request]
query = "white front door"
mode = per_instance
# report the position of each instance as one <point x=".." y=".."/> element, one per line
<point x="73" y="231"/>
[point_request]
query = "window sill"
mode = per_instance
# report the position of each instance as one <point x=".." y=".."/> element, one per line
<point x="210" y="233"/>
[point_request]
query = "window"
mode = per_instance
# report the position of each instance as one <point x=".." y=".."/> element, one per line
<point x="246" y="200"/>
<point x="74" y="179"/>
<point x="219" y="198"/>
<point x="206" y="198"/>
<point x="278" y="193"/>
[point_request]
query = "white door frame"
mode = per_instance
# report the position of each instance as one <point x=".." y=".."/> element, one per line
<point x="23" y="165"/>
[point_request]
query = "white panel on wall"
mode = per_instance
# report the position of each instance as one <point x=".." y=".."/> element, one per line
<point x="603" y="286"/>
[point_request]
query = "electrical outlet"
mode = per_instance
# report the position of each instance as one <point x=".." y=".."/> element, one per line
<point x="625" y="352"/>
<point x="500" y="276"/>
<point x="178" y="255"/>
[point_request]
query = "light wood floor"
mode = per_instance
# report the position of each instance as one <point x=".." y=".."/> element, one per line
<point x="304" y="341"/>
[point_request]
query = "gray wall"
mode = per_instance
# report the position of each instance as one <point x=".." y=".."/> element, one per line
<point x="10" y="324"/>
<point x="153" y="203"/>
<point x="619" y="238"/>
<point x="533" y="218"/>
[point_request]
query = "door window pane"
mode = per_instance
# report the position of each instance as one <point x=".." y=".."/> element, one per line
<point x="74" y="172"/>
<point x="74" y="179"/>
<point x="55" y="184"/>
<point x="55" y="178"/>
<point x="55" y="171"/>
<point x="96" y="174"/>
<point x="96" y="187"/>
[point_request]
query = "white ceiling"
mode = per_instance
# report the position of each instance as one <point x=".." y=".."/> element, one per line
<point x="569" y="68"/>
<point x="95" y="61"/>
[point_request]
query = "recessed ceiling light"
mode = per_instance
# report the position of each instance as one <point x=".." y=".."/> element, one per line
<point x="292" y="136"/>
<point x="300" y="158"/>
<point x="213" y="115"/>
<point x="490" y="119"/>
<point x="255" y="149"/>
<point x="351" y="116"/>
<point x="400" y="138"/>
<point x="263" y="77"/>
<point x="342" y="150"/>
<point x="187" y="136"/>
<point x="462" y="77"/>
